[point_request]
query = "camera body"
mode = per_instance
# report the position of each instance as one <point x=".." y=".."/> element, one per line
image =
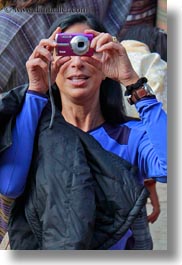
<point x="77" y="44"/>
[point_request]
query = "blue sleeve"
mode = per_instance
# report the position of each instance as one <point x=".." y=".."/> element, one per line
<point x="15" y="161"/>
<point x="153" y="145"/>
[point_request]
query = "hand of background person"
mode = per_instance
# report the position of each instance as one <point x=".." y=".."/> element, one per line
<point x="155" y="213"/>
<point x="151" y="186"/>
<point x="111" y="58"/>
<point x="39" y="62"/>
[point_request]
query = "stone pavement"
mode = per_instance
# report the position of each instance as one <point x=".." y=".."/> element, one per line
<point x="159" y="228"/>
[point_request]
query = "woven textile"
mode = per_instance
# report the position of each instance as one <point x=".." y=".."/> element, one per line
<point x="4" y="244"/>
<point x="20" y="32"/>
<point x="162" y="14"/>
<point x="5" y="205"/>
<point x="141" y="12"/>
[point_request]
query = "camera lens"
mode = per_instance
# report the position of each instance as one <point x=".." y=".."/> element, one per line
<point x="80" y="44"/>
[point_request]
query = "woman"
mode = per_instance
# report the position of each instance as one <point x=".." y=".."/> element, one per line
<point x="89" y="99"/>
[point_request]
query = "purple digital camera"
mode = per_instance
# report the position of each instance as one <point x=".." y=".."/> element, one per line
<point x="77" y="44"/>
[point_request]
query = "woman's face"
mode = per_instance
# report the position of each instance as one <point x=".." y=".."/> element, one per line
<point x="78" y="80"/>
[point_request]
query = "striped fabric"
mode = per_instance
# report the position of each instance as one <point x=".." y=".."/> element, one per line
<point x="5" y="205"/>
<point x="141" y="12"/>
<point x="162" y="15"/>
<point x="5" y="244"/>
<point x="20" y="32"/>
<point x="143" y="239"/>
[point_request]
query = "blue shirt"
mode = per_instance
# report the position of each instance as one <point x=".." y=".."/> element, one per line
<point x="142" y="143"/>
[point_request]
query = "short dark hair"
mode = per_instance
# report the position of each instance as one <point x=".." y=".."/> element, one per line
<point x="111" y="95"/>
<point x="66" y="21"/>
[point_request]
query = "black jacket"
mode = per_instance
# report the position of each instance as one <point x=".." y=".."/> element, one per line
<point x="78" y="196"/>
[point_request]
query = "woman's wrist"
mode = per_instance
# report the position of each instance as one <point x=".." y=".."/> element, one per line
<point x="37" y="93"/>
<point x="131" y="80"/>
<point x="37" y="90"/>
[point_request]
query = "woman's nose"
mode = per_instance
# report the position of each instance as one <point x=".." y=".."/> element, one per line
<point x="76" y="62"/>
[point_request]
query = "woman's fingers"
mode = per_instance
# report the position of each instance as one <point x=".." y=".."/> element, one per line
<point x="60" y="61"/>
<point x="52" y="37"/>
<point x="111" y="46"/>
<point x="43" y="53"/>
<point x="99" y="38"/>
<point x="95" y="61"/>
<point x="37" y="62"/>
<point x="46" y="47"/>
<point x="91" y="31"/>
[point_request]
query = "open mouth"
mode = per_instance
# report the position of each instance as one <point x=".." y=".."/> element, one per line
<point x="78" y="81"/>
<point x="78" y="78"/>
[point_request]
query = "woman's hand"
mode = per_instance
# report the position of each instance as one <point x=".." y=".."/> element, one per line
<point x="111" y="58"/>
<point x="38" y="65"/>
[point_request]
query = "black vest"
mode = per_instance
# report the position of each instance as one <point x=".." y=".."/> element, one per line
<point x="78" y="196"/>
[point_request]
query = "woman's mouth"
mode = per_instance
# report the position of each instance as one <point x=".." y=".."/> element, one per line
<point x="78" y="80"/>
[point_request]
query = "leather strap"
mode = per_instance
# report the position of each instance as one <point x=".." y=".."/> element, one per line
<point x="137" y="95"/>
